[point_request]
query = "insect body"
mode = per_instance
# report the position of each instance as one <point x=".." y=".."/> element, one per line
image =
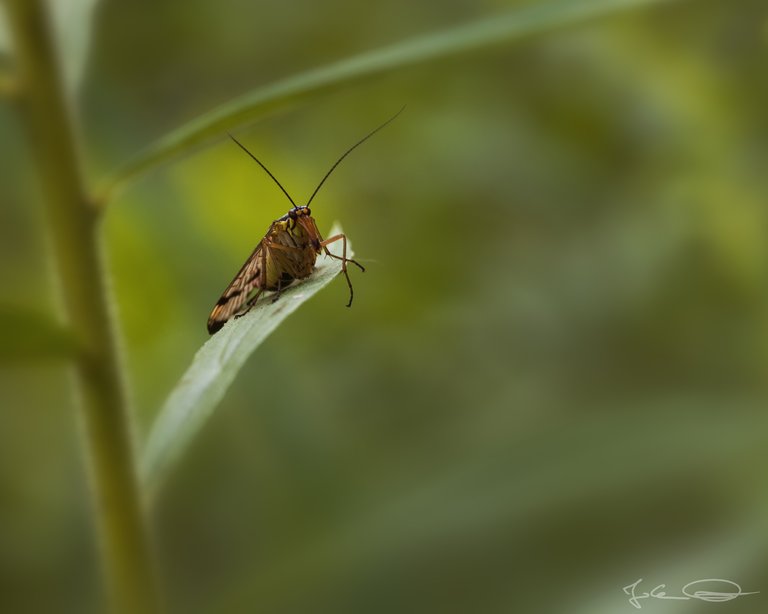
<point x="287" y="252"/>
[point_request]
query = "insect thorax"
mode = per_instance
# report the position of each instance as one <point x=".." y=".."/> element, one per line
<point x="296" y="228"/>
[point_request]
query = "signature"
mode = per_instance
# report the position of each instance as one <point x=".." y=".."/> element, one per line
<point x="689" y="591"/>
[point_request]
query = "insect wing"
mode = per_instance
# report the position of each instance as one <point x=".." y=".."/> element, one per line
<point x="234" y="297"/>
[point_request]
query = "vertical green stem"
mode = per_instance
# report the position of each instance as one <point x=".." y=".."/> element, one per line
<point x="74" y="229"/>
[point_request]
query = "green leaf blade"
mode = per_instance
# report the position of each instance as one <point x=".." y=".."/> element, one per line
<point x="215" y="367"/>
<point x="259" y="102"/>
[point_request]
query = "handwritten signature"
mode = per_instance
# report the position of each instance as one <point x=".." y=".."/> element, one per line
<point x="689" y="591"/>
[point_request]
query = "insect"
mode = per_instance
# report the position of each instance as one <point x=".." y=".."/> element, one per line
<point x="287" y="252"/>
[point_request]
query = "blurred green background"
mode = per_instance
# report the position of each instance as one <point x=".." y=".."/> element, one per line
<point x="553" y="379"/>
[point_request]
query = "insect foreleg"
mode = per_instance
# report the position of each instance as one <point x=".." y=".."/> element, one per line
<point x="343" y="257"/>
<point x="344" y="260"/>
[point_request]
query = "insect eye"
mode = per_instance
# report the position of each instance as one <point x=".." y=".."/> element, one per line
<point x="292" y="214"/>
<point x="307" y="210"/>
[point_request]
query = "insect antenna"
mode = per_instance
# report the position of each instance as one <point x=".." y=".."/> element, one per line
<point x="349" y="151"/>
<point x="245" y="149"/>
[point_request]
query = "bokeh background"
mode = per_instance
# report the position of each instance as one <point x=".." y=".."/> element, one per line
<point x="552" y="382"/>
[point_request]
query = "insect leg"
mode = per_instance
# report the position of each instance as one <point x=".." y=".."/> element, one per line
<point x="279" y="290"/>
<point x="343" y="257"/>
<point x="344" y="260"/>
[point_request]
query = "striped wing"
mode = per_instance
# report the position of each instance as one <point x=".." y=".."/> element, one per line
<point x="236" y="295"/>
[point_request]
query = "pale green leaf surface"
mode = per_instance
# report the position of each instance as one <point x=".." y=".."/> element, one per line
<point x="477" y="35"/>
<point x="215" y="366"/>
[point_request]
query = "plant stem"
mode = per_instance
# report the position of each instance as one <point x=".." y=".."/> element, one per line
<point x="73" y="226"/>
